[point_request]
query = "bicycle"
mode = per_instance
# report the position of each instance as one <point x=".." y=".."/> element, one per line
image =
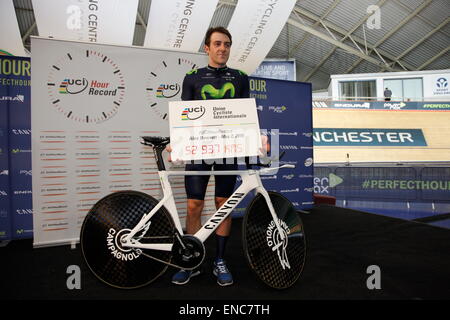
<point x="128" y="238"/>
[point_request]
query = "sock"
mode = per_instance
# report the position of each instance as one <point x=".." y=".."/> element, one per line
<point x="221" y="243"/>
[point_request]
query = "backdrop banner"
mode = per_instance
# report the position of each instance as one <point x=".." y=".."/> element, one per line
<point x="178" y="25"/>
<point x="91" y="104"/>
<point x="111" y="21"/>
<point x="255" y="26"/>
<point x="15" y="148"/>
<point x="285" y="110"/>
<point x="5" y="202"/>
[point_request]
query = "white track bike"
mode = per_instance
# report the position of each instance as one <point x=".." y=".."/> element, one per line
<point x="129" y="238"/>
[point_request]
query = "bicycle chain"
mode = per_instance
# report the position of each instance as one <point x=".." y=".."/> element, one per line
<point x="165" y="262"/>
<point x="159" y="260"/>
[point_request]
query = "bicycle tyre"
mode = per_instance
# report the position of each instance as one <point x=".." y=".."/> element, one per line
<point x="278" y="265"/>
<point x="106" y="222"/>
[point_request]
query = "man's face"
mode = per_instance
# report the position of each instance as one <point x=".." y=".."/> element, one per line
<point x="218" y="49"/>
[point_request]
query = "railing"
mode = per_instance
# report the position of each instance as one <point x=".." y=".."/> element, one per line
<point x="354" y="99"/>
<point x="408" y="191"/>
<point x="392" y="164"/>
<point x="381" y="104"/>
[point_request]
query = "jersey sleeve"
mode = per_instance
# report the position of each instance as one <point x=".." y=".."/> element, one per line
<point x="245" y="93"/>
<point x="187" y="90"/>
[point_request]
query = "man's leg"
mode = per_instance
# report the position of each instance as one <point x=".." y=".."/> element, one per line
<point x="224" y="228"/>
<point x="224" y="277"/>
<point x="222" y="231"/>
<point x="195" y="190"/>
<point x="193" y="224"/>
<point x="193" y="218"/>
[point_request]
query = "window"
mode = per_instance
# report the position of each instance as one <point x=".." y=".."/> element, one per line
<point x="358" y="90"/>
<point x="405" y="89"/>
<point x="412" y="90"/>
<point x="396" y="87"/>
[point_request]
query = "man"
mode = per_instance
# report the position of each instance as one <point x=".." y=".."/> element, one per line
<point x="387" y="94"/>
<point x="216" y="81"/>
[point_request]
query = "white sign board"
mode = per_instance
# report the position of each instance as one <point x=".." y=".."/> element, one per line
<point x="214" y="129"/>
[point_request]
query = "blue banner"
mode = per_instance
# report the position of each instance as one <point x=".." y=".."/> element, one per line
<point x="284" y="109"/>
<point x="5" y="203"/>
<point x="435" y="184"/>
<point x="420" y="184"/>
<point x="368" y="137"/>
<point x="15" y="98"/>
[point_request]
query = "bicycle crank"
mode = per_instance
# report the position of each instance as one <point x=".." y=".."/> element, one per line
<point x="188" y="252"/>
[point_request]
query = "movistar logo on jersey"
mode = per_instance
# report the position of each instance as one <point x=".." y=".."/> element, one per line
<point x="217" y="93"/>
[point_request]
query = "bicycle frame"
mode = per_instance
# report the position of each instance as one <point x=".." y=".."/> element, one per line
<point x="250" y="181"/>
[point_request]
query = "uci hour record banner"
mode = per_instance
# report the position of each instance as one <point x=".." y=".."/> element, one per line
<point x="91" y="103"/>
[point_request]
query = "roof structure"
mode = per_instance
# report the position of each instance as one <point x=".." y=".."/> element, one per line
<point x="328" y="37"/>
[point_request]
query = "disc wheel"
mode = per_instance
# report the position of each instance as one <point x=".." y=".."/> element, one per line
<point x="277" y="263"/>
<point x="112" y="218"/>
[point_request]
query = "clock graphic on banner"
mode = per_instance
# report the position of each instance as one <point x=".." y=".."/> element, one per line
<point x="86" y="86"/>
<point x="165" y="82"/>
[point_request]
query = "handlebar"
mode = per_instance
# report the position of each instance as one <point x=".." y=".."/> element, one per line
<point x="269" y="161"/>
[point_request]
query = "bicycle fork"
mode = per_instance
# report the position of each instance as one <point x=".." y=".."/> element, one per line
<point x="272" y="212"/>
<point x="260" y="189"/>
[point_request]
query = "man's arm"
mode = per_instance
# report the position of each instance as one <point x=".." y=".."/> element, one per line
<point x="245" y="93"/>
<point x="187" y="88"/>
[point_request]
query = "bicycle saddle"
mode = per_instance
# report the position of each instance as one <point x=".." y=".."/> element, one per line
<point x="156" y="141"/>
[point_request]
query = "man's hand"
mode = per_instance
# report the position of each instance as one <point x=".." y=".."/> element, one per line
<point x="265" y="146"/>
<point x="174" y="162"/>
<point x="169" y="150"/>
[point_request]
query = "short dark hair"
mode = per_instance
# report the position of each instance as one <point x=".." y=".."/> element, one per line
<point x="216" y="29"/>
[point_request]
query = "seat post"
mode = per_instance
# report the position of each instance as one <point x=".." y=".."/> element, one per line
<point x="158" y="144"/>
<point x="157" y="151"/>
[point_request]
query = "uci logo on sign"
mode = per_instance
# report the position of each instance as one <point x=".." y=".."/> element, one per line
<point x="192" y="113"/>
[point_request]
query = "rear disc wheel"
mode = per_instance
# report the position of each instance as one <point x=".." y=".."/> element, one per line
<point x="104" y="229"/>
